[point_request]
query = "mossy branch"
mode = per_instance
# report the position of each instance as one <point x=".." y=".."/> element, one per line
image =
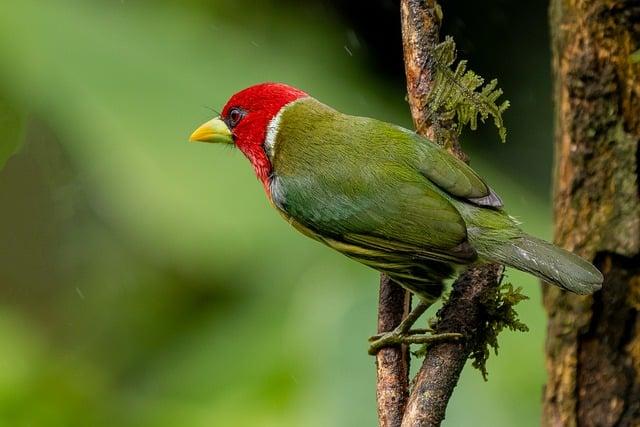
<point x="501" y="314"/>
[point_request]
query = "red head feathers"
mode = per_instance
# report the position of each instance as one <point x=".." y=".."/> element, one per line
<point x="248" y="113"/>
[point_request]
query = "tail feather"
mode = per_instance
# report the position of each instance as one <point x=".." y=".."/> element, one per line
<point x="548" y="262"/>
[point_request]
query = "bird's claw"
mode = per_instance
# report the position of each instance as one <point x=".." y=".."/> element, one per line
<point x="414" y="336"/>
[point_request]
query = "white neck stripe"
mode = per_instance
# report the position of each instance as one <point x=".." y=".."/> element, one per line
<point x="272" y="130"/>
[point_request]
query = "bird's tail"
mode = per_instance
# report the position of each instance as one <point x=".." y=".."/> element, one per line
<point x="546" y="261"/>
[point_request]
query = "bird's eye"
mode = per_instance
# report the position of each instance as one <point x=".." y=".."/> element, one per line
<point x="234" y="117"/>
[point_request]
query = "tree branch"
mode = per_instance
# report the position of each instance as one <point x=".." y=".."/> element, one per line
<point x="392" y="363"/>
<point x="420" y="20"/>
<point x="464" y="312"/>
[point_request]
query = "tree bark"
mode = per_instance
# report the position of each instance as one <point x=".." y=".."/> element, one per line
<point x="593" y="342"/>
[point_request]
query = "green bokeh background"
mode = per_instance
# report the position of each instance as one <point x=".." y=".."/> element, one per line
<point x="147" y="282"/>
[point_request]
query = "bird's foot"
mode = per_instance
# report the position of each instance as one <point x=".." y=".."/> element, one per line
<point x="413" y="336"/>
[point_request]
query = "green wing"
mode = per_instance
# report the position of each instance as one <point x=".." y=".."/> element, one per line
<point x="451" y="174"/>
<point x="382" y="208"/>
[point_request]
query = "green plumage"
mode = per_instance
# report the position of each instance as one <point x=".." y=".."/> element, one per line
<point x="396" y="202"/>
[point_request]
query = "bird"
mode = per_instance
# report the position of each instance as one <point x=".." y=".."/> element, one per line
<point x="382" y="195"/>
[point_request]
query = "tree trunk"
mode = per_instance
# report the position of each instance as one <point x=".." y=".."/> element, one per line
<point x="593" y="342"/>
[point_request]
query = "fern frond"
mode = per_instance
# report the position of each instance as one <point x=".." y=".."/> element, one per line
<point x="459" y="95"/>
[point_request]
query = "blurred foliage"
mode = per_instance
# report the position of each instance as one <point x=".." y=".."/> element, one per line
<point x="147" y="282"/>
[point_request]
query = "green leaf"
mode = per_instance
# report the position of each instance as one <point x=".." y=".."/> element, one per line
<point x="634" y="58"/>
<point x="11" y="131"/>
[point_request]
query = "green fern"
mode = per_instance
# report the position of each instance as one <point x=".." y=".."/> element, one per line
<point x="459" y="95"/>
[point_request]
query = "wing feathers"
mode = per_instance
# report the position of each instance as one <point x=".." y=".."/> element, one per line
<point x="453" y="175"/>
<point x="492" y="200"/>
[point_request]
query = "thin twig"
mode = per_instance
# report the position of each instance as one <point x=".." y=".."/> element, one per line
<point x="392" y="363"/>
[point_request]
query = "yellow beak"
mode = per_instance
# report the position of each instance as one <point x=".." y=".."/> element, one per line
<point x="215" y="131"/>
